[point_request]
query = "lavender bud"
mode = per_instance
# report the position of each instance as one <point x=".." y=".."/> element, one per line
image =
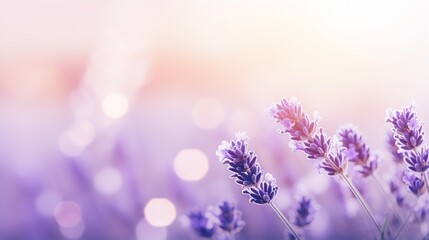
<point x="229" y="217"/>
<point x="415" y="184"/>
<point x="304" y="212"/>
<point x="201" y="224"/>
<point x="263" y="193"/>
<point x="417" y="160"/>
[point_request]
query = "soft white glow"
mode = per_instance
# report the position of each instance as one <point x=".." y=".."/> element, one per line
<point x="208" y="113"/>
<point x="46" y="202"/>
<point x="108" y="181"/>
<point x="73" y="141"/>
<point x="147" y="231"/>
<point x="115" y="105"/>
<point x="68" y="147"/>
<point x="160" y="212"/>
<point x="73" y="232"/>
<point x="191" y="164"/>
<point x="68" y="214"/>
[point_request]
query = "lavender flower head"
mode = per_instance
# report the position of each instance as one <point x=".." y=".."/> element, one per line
<point x="415" y="184"/>
<point x="228" y="217"/>
<point x="407" y="129"/>
<point x="417" y="161"/>
<point x="356" y="150"/>
<point x="335" y="162"/>
<point x="202" y="224"/>
<point x="305" y="212"/>
<point x="244" y="165"/>
<point x="293" y="119"/>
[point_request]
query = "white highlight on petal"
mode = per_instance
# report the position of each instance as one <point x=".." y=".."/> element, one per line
<point x="160" y="212"/>
<point x="191" y="164"/>
<point x="208" y="113"/>
<point x="108" y="180"/>
<point x="68" y="214"/>
<point x="115" y="105"/>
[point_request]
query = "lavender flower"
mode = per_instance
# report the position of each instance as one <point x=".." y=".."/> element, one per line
<point x="317" y="146"/>
<point x="407" y="129"/>
<point x="335" y="163"/>
<point x="201" y="224"/>
<point x="393" y="149"/>
<point x="294" y="120"/>
<point x="415" y="184"/>
<point x="229" y="218"/>
<point x="246" y="170"/>
<point x="304" y="212"/>
<point x="417" y="160"/>
<point x="265" y="192"/>
<point x="241" y="162"/>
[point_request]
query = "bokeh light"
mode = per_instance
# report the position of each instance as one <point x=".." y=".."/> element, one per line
<point x="160" y="212"/>
<point x="68" y="214"/>
<point x="191" y="164"/>
<point x="115" y="105"/>
<point x="108" y="180"/>
<point x="208" y="113"/>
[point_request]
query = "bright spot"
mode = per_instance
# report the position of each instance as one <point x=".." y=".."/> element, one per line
<point x="108" y="180"/>
<point x="82" y="133"/>
<point x="68" y="147"/>
<point x="208" y="113"/>
<point x="115" y="105"/>
<point x="46" y="202"/>
<point x="160" y="212"/>
<point x="68" y="214"/>
<point x="191" y="164"/>
<point x="147" y="231"/>
<point x="73" y="232"/>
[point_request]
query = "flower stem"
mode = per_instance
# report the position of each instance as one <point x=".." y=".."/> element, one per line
<point x="395" y="209"/>
<point x="284" y="220"/>
<point x="361" y="200"/>
<point x="405" y="223"/>
<point x="425" y="175"/>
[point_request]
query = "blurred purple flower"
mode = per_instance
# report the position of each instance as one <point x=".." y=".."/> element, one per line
<point x="393" y="149"/>
<point x="229" y="218"/>
<point x="415" y="184"/>
<point x="241" y="162"/>
<point x="407" y="129"/>
<point x="369" y="167"/>
<point x="293" y="119"/>
<point x="417" y="160"/>
<point x="356" y="149"/>
<point x="201" y="224"/>
<point x="263" y="193"/>
<point x="304" y="212"/>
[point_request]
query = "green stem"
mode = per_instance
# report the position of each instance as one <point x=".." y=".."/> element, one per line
<point x="395" y="209"/>
<point x="284" y="220"/>
<point x="361" y="200"/>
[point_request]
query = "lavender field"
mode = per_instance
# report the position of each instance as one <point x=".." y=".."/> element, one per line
<point x="192" y="119"/>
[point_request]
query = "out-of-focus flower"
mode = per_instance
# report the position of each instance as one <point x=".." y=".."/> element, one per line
<point x="421" y="211"/>
<point x="407" y="129"/>
<point x="417" y="160"/>
<point x="228" y="217"/>
<point x="246" y="170"/>
<point x="393" y="149"/>
<point x="202" y="224"/>
<point x="293" y="119"/>
<point x="415" y="184"/>
<point x="304" y="212"/>
<point x="263" y="193"/>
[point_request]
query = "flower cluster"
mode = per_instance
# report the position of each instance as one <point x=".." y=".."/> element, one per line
<point x="415" y="184"/>
<point x="217" y="221"/>
<point x="357" y="151"/>
<point x="245" y="168"/>
<point x="304" y="214"/>
<point x="307" y="138"/>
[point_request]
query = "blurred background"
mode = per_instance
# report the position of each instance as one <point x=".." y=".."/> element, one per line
<point x="111" y="111"/>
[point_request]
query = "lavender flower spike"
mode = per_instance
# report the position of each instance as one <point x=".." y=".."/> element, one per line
<point x="305" y="212"/>
<point x="293" y="119"/>
<point x="418" y="161"/>
<point x="229" y="217"/>
<point x="407" y="129"/>
<point x="415" y="184"/>
<point x="335" y="163"/>
<point x="201" y="224"/>
<point x="265" y="192"/>
<point x="241" y="162"/>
